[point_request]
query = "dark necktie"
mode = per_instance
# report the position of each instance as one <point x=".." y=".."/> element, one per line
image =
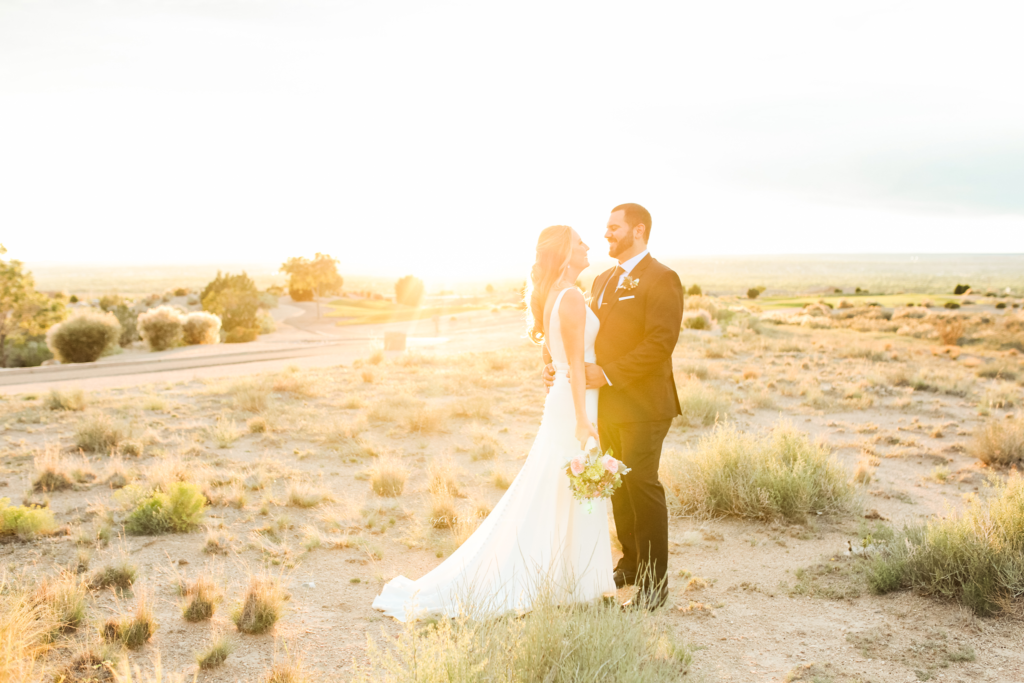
<point x="616" y="274"/>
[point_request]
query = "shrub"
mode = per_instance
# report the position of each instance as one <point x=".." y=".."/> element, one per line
<point x="99" y="434"/>
<point x="780" y="475"/>
<point x="69" y="400"/>
<point x="754" y="292"/>
<point x="125" y="314"/>
<point x="24" y="522"/>
<point x="974" y="556"/>
<point x="201" y="600"/>
<point x="260" y="608"/>
<point x="266" y="322"/>
<point x="388" y="478"/>
<point x="84" y="337"/>
<point x="952" y="305"/>
<point x="697" y="320"/>
<point x="950" y="330"/>
<point x="201" y="327"/>
<point x="701" y="405"/>
<point x="216" y="654"/>
<point x="241" y="335"/>
<point x="133" y="632"/>
<point x="120" y="575"/>
<point x="409" y="291"/>
<point x="179" y="510"/>
<point x="234" y="298"/>
<point x="961" y="289"/>
<point x="588" y="642"/>
<point x="162" y="327"/>
<point x="694" y="290"/>
<point x="1000" y="442"/>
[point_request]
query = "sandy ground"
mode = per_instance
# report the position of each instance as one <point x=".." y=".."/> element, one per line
<point x="751" y="619"/>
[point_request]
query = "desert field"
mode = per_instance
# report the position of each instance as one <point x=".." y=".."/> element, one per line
<point x="250" y="522"/>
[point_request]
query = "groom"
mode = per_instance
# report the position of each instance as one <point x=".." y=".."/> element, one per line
<point x="640" y="305"/>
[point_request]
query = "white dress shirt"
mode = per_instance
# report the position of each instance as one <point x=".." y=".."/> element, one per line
<point x="627" y="268"/>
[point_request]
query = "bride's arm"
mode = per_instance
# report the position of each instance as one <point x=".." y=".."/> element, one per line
<point x="572" y="316"/>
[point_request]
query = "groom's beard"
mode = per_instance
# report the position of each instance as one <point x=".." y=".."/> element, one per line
<point x="620" y="246"/>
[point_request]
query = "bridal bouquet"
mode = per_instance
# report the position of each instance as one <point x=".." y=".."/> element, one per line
<point x="593" y="474"/>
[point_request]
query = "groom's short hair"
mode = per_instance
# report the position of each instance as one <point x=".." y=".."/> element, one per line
<point x="636" y="214"/>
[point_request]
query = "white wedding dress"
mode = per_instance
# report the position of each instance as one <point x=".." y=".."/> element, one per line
<point x="537" y="538"/>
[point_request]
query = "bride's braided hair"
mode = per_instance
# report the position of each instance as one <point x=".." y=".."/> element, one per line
<point x="554" y="249"/>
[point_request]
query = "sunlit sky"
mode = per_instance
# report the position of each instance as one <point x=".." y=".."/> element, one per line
<point x="440" y="137"/>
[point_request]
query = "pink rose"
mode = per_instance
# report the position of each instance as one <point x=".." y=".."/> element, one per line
<point x="577" y="466"/>
<point x="610" y="464"/>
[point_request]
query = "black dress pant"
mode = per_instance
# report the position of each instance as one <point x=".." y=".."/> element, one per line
<point x="641" y="515"/>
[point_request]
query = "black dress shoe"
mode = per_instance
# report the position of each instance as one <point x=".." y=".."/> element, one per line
<point x="622" y="579"/>
<point x="649" y="600"/>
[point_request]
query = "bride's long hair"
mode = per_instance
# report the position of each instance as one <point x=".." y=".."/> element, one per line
<point x="554" y="249"/>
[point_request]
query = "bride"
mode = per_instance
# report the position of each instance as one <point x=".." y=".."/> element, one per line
<point x="537" y="539"/>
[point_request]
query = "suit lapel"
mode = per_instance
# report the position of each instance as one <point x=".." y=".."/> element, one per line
<point x="611" y="297"/>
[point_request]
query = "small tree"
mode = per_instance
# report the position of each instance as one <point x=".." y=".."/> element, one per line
<point x="695" y="290"/>
<point x="962" y="289"/>
<point x="307" y="279"/>
<point x="754" y="292"/>
<point x="23" y="310"/>
<point x="409" y="291"/>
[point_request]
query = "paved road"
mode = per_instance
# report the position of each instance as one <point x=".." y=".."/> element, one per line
<point x="302" y="340"/>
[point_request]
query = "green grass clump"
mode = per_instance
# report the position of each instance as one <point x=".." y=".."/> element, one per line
<point x="201" y="599"/>
<point x="216" y="654"/>
<point x="782" y="475"/>
<point x="260" y="608"/>
<point x="24" y="522"/>
<point x="974" y="557"/>
<point x="69" y="400"/>
<point x="584" y="642"/>
<point x="131" y="631"/>
<point x="177" y="511"/>
<point x="1000" y="442"/>
<point x="119" y="575"/>
<point x="99" y="434"/>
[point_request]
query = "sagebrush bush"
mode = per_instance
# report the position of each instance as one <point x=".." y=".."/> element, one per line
<point x="1000" y="442"/>
<point x="586" y="642"/>
<point x="701" y="404"/>
<point x="974" y="556"/>
<point x="698" y="320"/>
<point x="201" y="327"/>
<point x="178" y="510"/>
<point x="162" y="327"/>
<point x="781" y="475"/>
<point x="84" y="337"/>
<point x="25" y="522"/>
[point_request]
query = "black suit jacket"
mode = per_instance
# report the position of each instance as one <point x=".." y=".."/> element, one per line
<point x="639" y="330"/>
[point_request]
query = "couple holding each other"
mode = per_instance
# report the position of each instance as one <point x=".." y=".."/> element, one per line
<point x="613" y="357"/>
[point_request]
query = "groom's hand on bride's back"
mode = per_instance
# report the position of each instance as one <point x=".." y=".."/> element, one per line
<point x="595" y="376"/>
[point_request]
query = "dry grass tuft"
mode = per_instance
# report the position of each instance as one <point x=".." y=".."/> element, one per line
<point x="261" y="606"/>
<point x="780" y="475"/>
<point x="121" y="574"/>
<point x="388" y="477"/>
<point x="132" y="631"/>
<point x="201" y="600"/>
<point x="1000" y="442"/>
<point x="64" y="599"/>
<point x="98" y="433"/>
<point x="73" y="399"/>
<point x="216" y="654"/>
<point x="307" y="496"/>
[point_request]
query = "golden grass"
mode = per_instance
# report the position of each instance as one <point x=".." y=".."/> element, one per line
<point x="388" y="477"/>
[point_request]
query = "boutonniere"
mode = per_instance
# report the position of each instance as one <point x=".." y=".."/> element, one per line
<point x="629" y="284"/>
